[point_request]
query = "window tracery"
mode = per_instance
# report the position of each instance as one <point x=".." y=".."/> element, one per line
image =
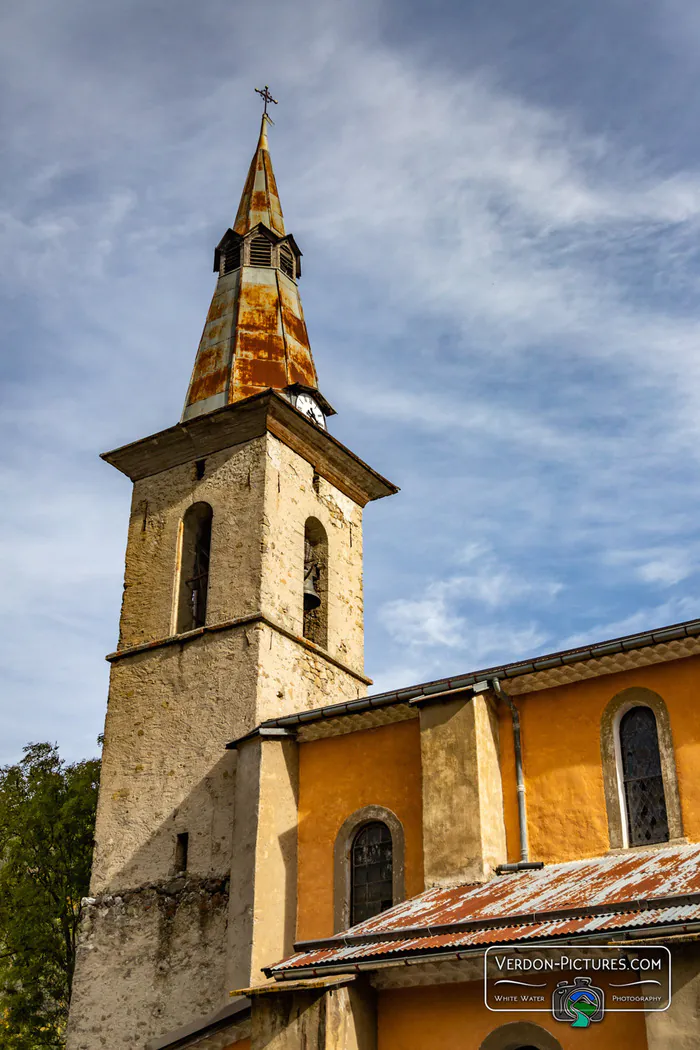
<point x="643" y="785"/>
<point x="639" y="770"/>
<point x="371" y="878"/>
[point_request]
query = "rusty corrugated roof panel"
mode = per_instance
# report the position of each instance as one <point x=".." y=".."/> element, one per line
<point x="564" y="928"/>
<point x="635" y="889"/>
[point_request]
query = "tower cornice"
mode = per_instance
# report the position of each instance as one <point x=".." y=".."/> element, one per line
<point x="231" y="625"/>
<point x="267" y="412"/>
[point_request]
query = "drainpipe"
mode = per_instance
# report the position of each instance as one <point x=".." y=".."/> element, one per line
<point x="524" y="864"/>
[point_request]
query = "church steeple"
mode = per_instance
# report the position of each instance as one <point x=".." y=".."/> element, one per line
<point x="255" y="336"/>
<point x="242" y="602"/>
<point x="260" y="201"/>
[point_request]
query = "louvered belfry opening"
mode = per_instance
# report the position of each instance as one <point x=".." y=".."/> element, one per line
<point x="286" y="261"/>
<point x="647" y="820"/>
<point x="372" y="872"/>
<point x="232" y="259"/>
<point x="260" y="252"/>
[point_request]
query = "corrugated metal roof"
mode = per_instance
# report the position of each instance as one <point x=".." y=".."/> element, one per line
<point x="636" y="889"/>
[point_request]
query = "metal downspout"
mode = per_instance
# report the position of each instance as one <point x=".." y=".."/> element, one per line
<point x="524" y="864"/>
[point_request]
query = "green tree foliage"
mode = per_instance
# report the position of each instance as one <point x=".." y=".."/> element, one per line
<point x="47" y="820"/>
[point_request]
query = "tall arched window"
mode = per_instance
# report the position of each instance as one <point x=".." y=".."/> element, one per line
<point x="315" y="587"/>
<point x="622" y="760"/>
<point x="353" y="854"/>
<point x="194" y="567"/>
<point x="642" y="778"/>
<point x="372" y="872"/>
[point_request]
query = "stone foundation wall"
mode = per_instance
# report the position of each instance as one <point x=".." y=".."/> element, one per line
<point x="148" y="961"/>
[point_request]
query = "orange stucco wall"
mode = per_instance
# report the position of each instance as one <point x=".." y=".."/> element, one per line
<point x="338" y="776"/>
<point x="563" y="772"/>
<point x="453" y="1016"/>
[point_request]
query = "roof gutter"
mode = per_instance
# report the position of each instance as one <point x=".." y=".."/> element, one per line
<point x="417" y="956"/>
<point x="441" y="688"/>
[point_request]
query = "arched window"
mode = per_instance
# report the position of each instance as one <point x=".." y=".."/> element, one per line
<point x="260" y="252"/>
<point x="634" y="751"/>
<point x="642" y="779"/>
<point x="286" y="261"/>
<point x="194" y="567"/>
<point x="315" y="588"/>
<point x="371" y="878"/>
<point x="353" y="863"/>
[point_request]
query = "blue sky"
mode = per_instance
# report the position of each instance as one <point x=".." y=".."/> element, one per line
<point x="499" y="209"/>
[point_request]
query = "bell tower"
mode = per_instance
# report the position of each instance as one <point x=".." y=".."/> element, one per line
<point x="242" y="601"/>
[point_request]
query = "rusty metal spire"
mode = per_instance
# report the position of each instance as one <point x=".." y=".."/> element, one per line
<point x="255" y="336"/>
<point x="260" y="201"/>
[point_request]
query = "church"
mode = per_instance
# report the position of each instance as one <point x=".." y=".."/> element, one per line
<point x="286" y="861"/>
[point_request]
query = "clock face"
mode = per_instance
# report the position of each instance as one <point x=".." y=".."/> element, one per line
<point x="306" y="404"/>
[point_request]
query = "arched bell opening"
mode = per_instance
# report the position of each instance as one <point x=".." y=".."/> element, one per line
<point x="194" y="567"/>
<point x="315" y="587"/>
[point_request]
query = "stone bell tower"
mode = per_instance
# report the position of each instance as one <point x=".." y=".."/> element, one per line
<point x="242" y="601"/>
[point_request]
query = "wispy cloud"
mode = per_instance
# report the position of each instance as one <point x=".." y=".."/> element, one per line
<point x="474" y="616"/>
<point x="501" y="292"/>
<point x="658" y="566"/>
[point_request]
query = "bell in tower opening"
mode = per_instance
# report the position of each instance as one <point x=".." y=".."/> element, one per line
<point x="315" y="582"/>
<point x="312" y="599"/>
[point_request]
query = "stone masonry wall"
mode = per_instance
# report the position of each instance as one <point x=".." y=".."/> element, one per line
<point x="148" y="961"/>
<point x="291" y="496"/>
<point x="233" y="483"/>
<point x="152" y="955"/>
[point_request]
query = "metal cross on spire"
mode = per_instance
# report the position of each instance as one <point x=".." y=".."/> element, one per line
<point x="267" y="98"/>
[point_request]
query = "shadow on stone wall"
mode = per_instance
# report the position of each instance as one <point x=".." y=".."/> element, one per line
<point x="152" y="953"/>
